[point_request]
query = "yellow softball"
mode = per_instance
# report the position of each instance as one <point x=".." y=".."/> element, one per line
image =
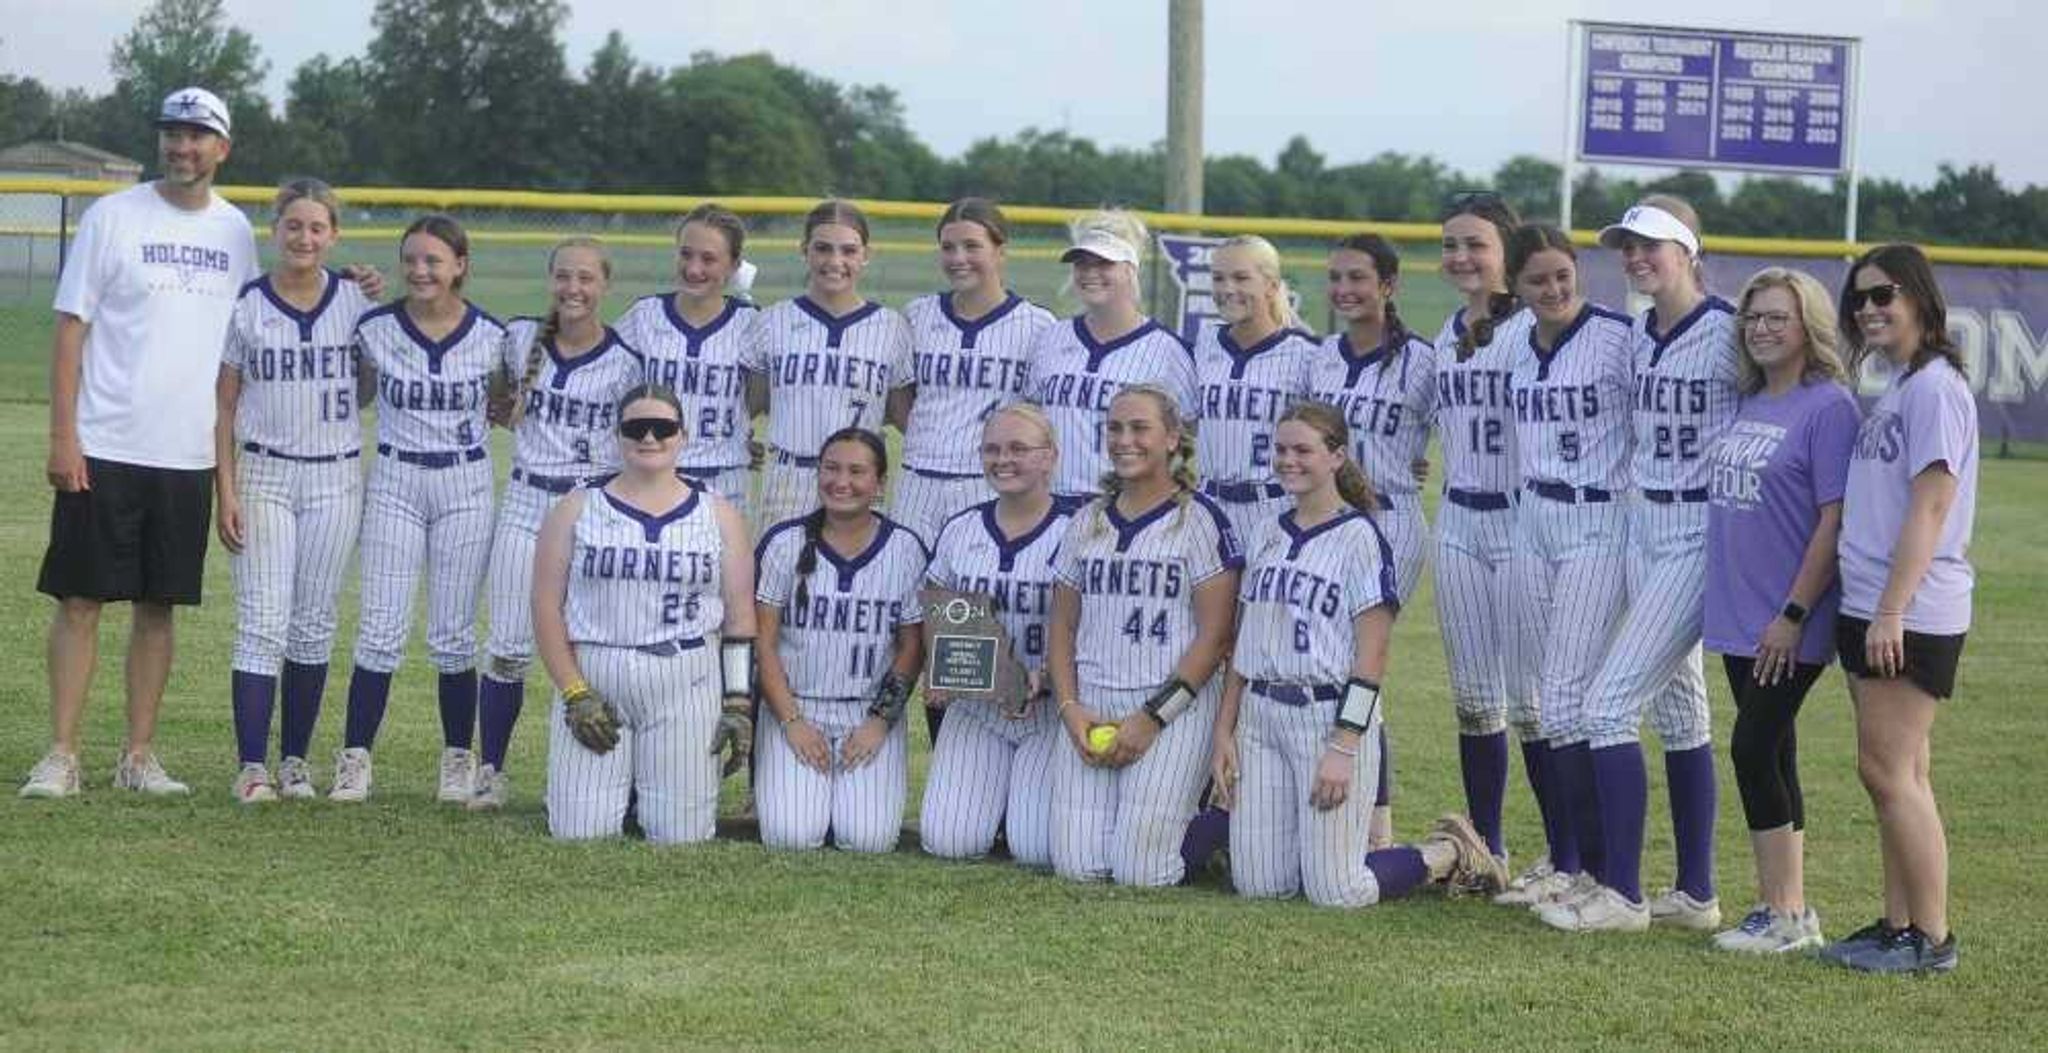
<point x="1102" y="738"/>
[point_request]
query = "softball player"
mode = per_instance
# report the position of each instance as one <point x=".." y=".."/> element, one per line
<point x="1248" y="371"/>
<point x="1684" y="397"/>
<point x="565" y="373"/>
<point x="694" y="341"/>
<point x="829" y="358"/>
<point x="836" y="602"/>
<point x="971" y="347"/>
<point x="1078" y="367"/>
<point x="988" y="771"/>
<point x="1301" y="706"/>
<point x="431" y="358"/>
<point x="1492" y="663"/>
<point x="289" y="482"/>
<point x="642" y="616"/>
<point x="1906" y="591"/>
<point x="1571" y="383"/>
<point x="1141" y="617"/>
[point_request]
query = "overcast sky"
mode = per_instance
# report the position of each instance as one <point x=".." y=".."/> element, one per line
<point x="1471" y="82"/>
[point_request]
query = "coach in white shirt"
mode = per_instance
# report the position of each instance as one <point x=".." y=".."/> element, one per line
<point x="142" y="310"/>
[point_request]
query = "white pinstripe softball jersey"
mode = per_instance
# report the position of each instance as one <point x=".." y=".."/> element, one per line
<point x="964" y="372"/>
<point x="703" y="366"/>
<point x="572" y="406"/>
<point x="826" y="373"/>
<point x="430" y="393"/>
<point x="1300" y="592"/>
<point x="1137" y="581"/>
<point x="972" y="555"/>
<point x="1685" y="394"/>
<point x="1387" y="396"/>
<point x="1073" y="377"/>
<point x="837" y="639"/>
<point x="637" y="579"/>
<point x="298" y="369"/>
<point x="1572" y="419"/>
<point x="1473" y="413"/>
<point x="1240" y="394"/>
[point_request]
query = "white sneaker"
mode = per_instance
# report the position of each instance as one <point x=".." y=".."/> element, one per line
<point x="458" y="775"/>
<point x="1561" y="900"/>
<point x="146" y="776"/>
<point x="1676" y="907"/>
<point x="1518" y="891"/>
<point x="56" y="775"/>
<point x="1604" y="911"/>
<point x="252" y="785"/>
<point x="352" y="775"/>
<point x="491" y="788"/>
<point x="295" y="779"/>
<point x="1765" y="931"/>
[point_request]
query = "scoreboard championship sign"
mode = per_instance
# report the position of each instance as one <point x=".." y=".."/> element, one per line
<point x="1710" y="98"/>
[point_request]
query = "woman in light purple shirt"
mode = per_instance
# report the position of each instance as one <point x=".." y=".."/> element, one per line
<point x="1906" y="583"/>
<point x="1774" y="513"/>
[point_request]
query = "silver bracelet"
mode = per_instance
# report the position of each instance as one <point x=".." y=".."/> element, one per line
<point x="1332" y="743"/>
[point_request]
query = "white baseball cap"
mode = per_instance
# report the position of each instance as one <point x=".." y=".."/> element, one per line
<point x="196" y="107"/>
<point x="1101" y="244"/>
<point x="1649" y="221"/>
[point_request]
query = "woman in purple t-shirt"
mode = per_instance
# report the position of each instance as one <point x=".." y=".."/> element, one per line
<point x="1906" y="582"/>
<point x="1773" y="515"/>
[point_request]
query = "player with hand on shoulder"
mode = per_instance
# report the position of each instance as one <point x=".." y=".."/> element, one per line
<point x="828" y="359"/>
<point x="563" y="375"/>
<point x="990" y="771"/>
<point x="837" y="605"/>
<point x="289" y="482"/>
<point x="1296" y="743"/>
<point x="427" y="507"/>
<point x="1078" y="367"/>
<point x="694" y="341"/>
<point x="1141" y="618"/>
<point x="643" y="615"/>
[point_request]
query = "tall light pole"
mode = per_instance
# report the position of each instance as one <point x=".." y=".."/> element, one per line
<point x="1184" y="106"/>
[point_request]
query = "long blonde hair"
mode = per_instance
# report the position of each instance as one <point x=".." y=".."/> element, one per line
<point x="1266" y="261"/>
<point x="551" y="325"/>
<point x="1181" y="462"/>
<point x="1816" y="315"/>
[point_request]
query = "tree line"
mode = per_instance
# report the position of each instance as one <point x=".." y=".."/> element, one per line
<point x="481" y="93"/>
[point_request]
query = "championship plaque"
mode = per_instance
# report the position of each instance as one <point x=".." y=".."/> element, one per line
<point x="967" y="653"/>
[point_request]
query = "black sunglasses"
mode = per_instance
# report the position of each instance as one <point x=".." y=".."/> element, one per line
<point x="662" y="428"/>
<point x="1881" y="295"/>
<point x="1465" y="198"/>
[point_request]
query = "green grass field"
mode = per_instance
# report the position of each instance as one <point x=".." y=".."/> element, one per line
<point x="198" y="924"/>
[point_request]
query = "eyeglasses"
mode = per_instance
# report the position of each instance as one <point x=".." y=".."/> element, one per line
<point x="1016" y="451"/>
<point x="661" y="428"/>
<point x="1768" y="321"/>
<point x="1881" y="295"/>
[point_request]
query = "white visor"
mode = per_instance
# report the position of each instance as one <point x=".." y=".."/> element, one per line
<point x="1102" y="245"/>
<point x="1649" y="221"/>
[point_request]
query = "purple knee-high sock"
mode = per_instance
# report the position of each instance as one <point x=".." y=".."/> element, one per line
<point x="458" y="709"/>
<point x="1575" y="761"/>
<point x="1384" y="794"/>
<point x="368" y="691"/>
<point x="304" y="683"/>
<point x="252" y="694"/>
<point x="1399" y="870"/>
<point x="1548" y="784"/>
<point x="1208" y="831"/>
<point x="1483" y="761"/>
<point x="1690" y="774"/>
<point x="1623" y="789"/>
<point x="497" y="712"/>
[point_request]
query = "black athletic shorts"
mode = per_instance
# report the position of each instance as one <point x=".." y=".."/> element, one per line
<point x="1931" y="661"/>
<point x="139" y="533"/>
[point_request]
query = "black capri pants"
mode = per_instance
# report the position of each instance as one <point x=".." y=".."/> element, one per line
<point x="1765" y="746"/>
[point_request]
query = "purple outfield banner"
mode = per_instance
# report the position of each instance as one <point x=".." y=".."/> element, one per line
<point x="1187" y="261"/>
<point x="1669" y="96"/>
<point x="1998" y="316"/>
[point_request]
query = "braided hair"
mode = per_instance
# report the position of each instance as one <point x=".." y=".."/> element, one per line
<point x="1499" y="305"/>
<point x="814" y="521"/>
<point x="549" y="328"/>
<point x="1386" y="263"/>
<point x="1181" y="461"/>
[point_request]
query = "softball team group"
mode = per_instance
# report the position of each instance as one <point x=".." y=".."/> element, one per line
<point x="1198" y="553"/>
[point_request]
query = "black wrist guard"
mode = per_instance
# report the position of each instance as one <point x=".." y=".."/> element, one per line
<point x="890" y="697"/>
<point x="1169" y="702"/>
<point x="1361" y="704"/>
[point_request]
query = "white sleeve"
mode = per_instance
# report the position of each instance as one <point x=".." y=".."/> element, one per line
<point x="78" y="289"/>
